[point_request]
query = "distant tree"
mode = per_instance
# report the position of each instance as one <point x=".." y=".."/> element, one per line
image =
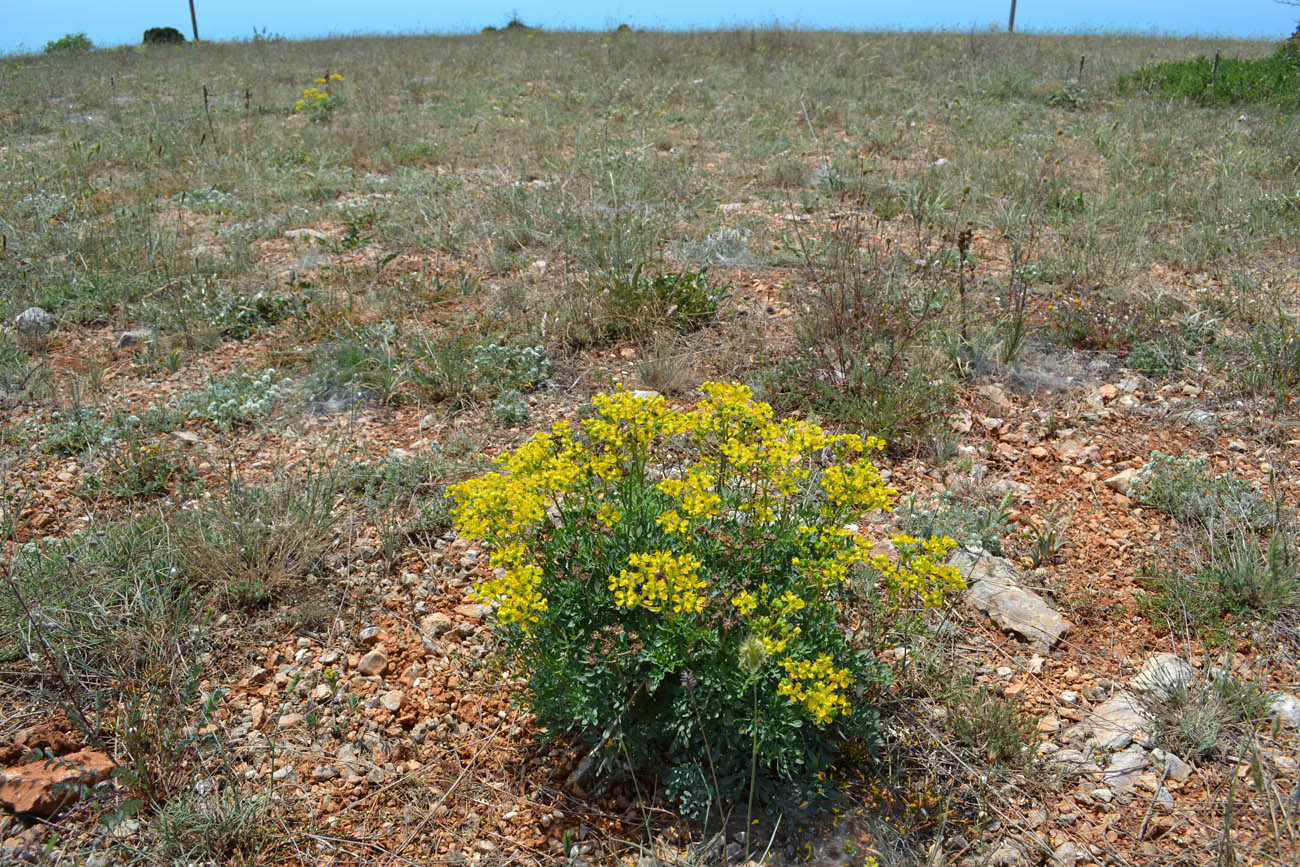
<point x="163" y="36"/>
<point x="69" y="43"/>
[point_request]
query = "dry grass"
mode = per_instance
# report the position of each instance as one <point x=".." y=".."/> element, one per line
<point x="892" y="215"/>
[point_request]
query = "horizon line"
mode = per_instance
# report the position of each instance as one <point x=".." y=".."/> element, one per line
<point x="22" y="50"/>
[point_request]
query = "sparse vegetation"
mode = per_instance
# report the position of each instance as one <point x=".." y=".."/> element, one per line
<point x="1240" y="584"/>
<point x="257" y="542"/>
<point x="1225" y="80"/>
<point x="1186" y="489"/>
<point x="1201" y="717"/>
<point x="973" y="524"/>
<point x="1028" y="262"/>
<point x="237" y="399"/>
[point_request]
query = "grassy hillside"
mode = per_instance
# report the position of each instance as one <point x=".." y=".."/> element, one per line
<point x="301" y="287"/>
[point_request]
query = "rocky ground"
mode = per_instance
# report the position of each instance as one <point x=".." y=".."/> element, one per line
<point x="386" y="734"/>
<point x="236" y="332"/>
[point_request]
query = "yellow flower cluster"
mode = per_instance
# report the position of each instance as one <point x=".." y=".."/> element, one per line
<point x="730" y="480"/>
<point x="857" y="486"/>
<point x="696" y="497"/>
<point x="311" y="97"/>
<point x="517" y="590"/>
<point x="315" y="98"/>
<point x="918" y="569"/>
<point x="660" y="581"/>
<point x="817" y="685"/>
<point x="774" y="628"/>
<point x="835" y="551"/>
<point x="627" y="423"/>
<point x="506" y="506"/>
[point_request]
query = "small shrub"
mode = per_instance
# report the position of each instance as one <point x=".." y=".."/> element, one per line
<point x="440" y="366"/>
<point x="155" y="419"/>
<point x="663" y="371"/>
<point x="364" y="365"/>
<point x="1200" y="717"/>
<point x="638" y="304"/>
<point x="257" y="543"/>
<point x="74" y="431"/>
<point x="236" y="400"/>
<point x="453" y="367"/>
<point x="225" y="826"/>
<point x="1269" y="79"/>
<point x="1155" y="358"/>
<point x="124" y="630"/>
<point x="1185" y="489"/>
<point x="1068" y="96"/>
<point x="12" y="359"/>
<point x="511" y="408"/>
<point x="1239" y="578"/>
<point x="866" y="328"/>
<point x="973" y="525"/>
<point x="64" y="579"/>
<point x="313" y="614"/>
<point x="318" y="102"/>
<point x="1170" y="345"/>
<point x="789" y="174"/>
<point x="136" y="469"/>
<point x="70" y="43"/>
<point x="202" y="315"/>
<point x="1248" y="578"/>
<point x="724" y="246"/>
<point x="501" y="367"/>
<point x="163" y="36"/>
<point x="984" y="722"/>
<point x="683" y="605"/>
<point x="1268" y="362"/>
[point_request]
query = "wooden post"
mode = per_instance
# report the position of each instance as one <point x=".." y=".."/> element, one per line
<point x="194" y="21"/>
<point x="1011" y="22"/>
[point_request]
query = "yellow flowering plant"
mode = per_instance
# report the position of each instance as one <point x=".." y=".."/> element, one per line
<point x="688" y="587"/>
<point x="319" y="100"/>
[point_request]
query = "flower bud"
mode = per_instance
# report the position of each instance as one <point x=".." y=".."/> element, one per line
<point x="752" y="654"/>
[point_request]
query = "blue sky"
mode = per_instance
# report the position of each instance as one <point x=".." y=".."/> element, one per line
<point x="29" y="25"/>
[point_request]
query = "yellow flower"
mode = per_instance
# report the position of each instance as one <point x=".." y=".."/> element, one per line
<point x="517" y="592"/>
<point x="659" y="581"/>
<point x="917" y="570"/>
<point x="695" y="493"/>
<point x="745" y="602"/>
<point x="672" y="522"/>
<point x="608" y="515"/>
<point x="857" y="486"/>
<point x="817" y="685"/>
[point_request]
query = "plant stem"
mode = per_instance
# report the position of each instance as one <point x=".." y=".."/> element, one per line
<point x="753" y="774"/>
<point x="713" y="772"/>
